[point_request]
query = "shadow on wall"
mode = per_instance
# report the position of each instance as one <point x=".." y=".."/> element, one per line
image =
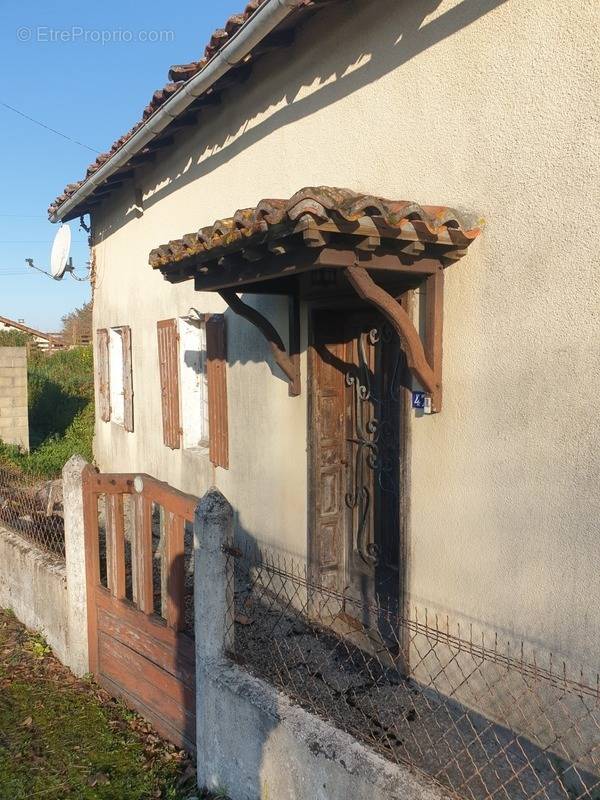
<point x="249" y="346"/>
<point x="185" y="668"/>
<point x="226" y="131"/>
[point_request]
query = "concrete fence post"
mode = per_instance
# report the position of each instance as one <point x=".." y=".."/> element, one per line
<point x="77" y="632"/>
<point x="213" y="609"/>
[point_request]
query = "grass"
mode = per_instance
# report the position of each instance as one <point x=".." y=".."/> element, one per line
<point x="62" y="738"/>
<point x="61" y="412"/>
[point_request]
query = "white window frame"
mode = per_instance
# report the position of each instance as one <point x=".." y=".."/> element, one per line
<point x="116" y="382"/>
<point x="193" y="384"/>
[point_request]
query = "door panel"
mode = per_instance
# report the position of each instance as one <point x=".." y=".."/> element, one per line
<point x="357" y="370"/>
<point x="329" y="454"/>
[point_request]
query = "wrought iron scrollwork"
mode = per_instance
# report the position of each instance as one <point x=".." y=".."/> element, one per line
<point x="375" y="444"/>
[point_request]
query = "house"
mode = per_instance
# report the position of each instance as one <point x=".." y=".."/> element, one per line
<point x="44" y="341"/>
<point x="345" y="270"/>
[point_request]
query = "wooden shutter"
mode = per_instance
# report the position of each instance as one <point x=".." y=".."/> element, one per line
<point x="168" y="359"/>
<point x="127" y="378"/>
<point x="102" y="374"/>
<point x="216" y="377"/>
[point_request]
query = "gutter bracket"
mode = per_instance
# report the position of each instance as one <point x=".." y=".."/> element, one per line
<point x="424" y="358"/>
<point x="289" y="363"/>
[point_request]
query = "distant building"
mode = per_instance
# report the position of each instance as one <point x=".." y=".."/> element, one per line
<point x="45" y="341"/>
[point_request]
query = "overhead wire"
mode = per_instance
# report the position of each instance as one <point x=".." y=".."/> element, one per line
<point x="47" y="127"/>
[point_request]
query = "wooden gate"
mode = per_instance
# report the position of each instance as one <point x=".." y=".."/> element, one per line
<point x="139" y="565"/>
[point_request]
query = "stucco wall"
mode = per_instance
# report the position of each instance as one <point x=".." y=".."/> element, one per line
<point x="489" y="105"/>
<point x="14" y="419"/>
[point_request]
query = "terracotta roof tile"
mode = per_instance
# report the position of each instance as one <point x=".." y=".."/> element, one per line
<point x="323" y="204"/>
<point x="178" y="74"/>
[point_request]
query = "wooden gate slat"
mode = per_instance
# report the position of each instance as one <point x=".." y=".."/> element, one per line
<point x="175" y="656"/>
<point x="175" y="566"/>
<point x="115" y="545"/>
<point x="174" y="698"/>
<point x="170" y="732"/>
<point x="142" y="554"/>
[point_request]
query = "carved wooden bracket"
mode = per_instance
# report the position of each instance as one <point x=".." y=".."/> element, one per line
<point x="424" y="359"/>
<point x="289" y="363"/>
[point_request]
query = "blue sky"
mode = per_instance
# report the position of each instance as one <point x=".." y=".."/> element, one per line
<point x="57" y="70"/>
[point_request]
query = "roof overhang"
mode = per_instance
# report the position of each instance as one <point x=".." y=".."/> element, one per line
<point x="325" y="242"/>
<point x="266" y="248"/>
<point x="264" y="25"/>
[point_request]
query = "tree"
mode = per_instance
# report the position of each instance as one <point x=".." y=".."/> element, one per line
<point x="77" y="325"/>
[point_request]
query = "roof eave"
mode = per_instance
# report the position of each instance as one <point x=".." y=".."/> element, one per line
<point x="264" y="20"/>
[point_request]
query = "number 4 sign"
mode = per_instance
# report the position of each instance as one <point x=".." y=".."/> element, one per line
<point x="422" y="402"/>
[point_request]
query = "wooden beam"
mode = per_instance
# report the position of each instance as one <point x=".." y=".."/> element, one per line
<point x="289" y="365"/>
<point x="367" y="289"/>
<point x="434" y="314"/>
<point x="294" y="335"/>
<point x="160" y="142"/>
<point x="229" y="274"/>
<point x="123" y="175"/>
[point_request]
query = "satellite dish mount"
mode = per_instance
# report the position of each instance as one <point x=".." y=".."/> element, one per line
<point x="60" y="259"/>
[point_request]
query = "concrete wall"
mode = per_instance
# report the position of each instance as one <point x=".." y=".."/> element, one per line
<point x="14" y="420"/>
<point x="252" y="742"/>
<point x="263" y="746"/>
<point x="484" y="104"/>
<point x="34" y="586"/>
<point x="45" y="594"/>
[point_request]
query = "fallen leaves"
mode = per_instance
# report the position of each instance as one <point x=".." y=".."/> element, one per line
<point x="64" y="738"/>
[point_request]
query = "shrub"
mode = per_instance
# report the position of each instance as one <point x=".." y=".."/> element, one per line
<point x="60" y="386"/>
<point x="61" y="412"/>
<point x="14" y="339"/>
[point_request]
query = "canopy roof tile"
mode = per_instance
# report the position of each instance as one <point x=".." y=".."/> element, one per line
<point x="275" y="218"/>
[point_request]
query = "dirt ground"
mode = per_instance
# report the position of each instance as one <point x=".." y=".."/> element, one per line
<point x="62" y="738"/>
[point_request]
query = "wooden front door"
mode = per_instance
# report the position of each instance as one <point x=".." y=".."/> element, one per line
<point x="356" y="375"/>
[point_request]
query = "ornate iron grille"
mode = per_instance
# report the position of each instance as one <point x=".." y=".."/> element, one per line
<point x="376" y="446"/>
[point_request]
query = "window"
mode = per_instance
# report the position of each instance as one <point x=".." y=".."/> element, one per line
<point x="193" y="379"/>
<point x="114" y="376"/>
<point x="193" y="386"/>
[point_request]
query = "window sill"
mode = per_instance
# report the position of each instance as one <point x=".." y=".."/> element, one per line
<point x="198" y="450"/>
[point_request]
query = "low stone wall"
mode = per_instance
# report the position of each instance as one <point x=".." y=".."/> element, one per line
<point x="34" y="586"/>
<point x="260" y="746"/>
<point x="14" y="421"/>
<point x="45" y="592"/>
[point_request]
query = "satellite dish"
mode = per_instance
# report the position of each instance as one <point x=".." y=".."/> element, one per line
<point x="59" y="257"/>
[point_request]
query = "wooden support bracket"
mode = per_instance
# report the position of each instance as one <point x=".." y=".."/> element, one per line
<point x="423" y="359"/>
<point x="289" y="363"/>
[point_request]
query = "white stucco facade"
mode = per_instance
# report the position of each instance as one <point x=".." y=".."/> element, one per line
<point x="487" y="105"/>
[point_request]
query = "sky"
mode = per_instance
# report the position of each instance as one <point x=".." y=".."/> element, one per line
<point x="86" y="70"/>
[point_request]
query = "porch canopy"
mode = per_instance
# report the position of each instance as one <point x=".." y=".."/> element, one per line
<point x="331" y="242"/>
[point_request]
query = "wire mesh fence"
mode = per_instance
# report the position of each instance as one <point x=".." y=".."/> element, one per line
<point x="33" y="508"/>
<point x="481" y="719"/>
